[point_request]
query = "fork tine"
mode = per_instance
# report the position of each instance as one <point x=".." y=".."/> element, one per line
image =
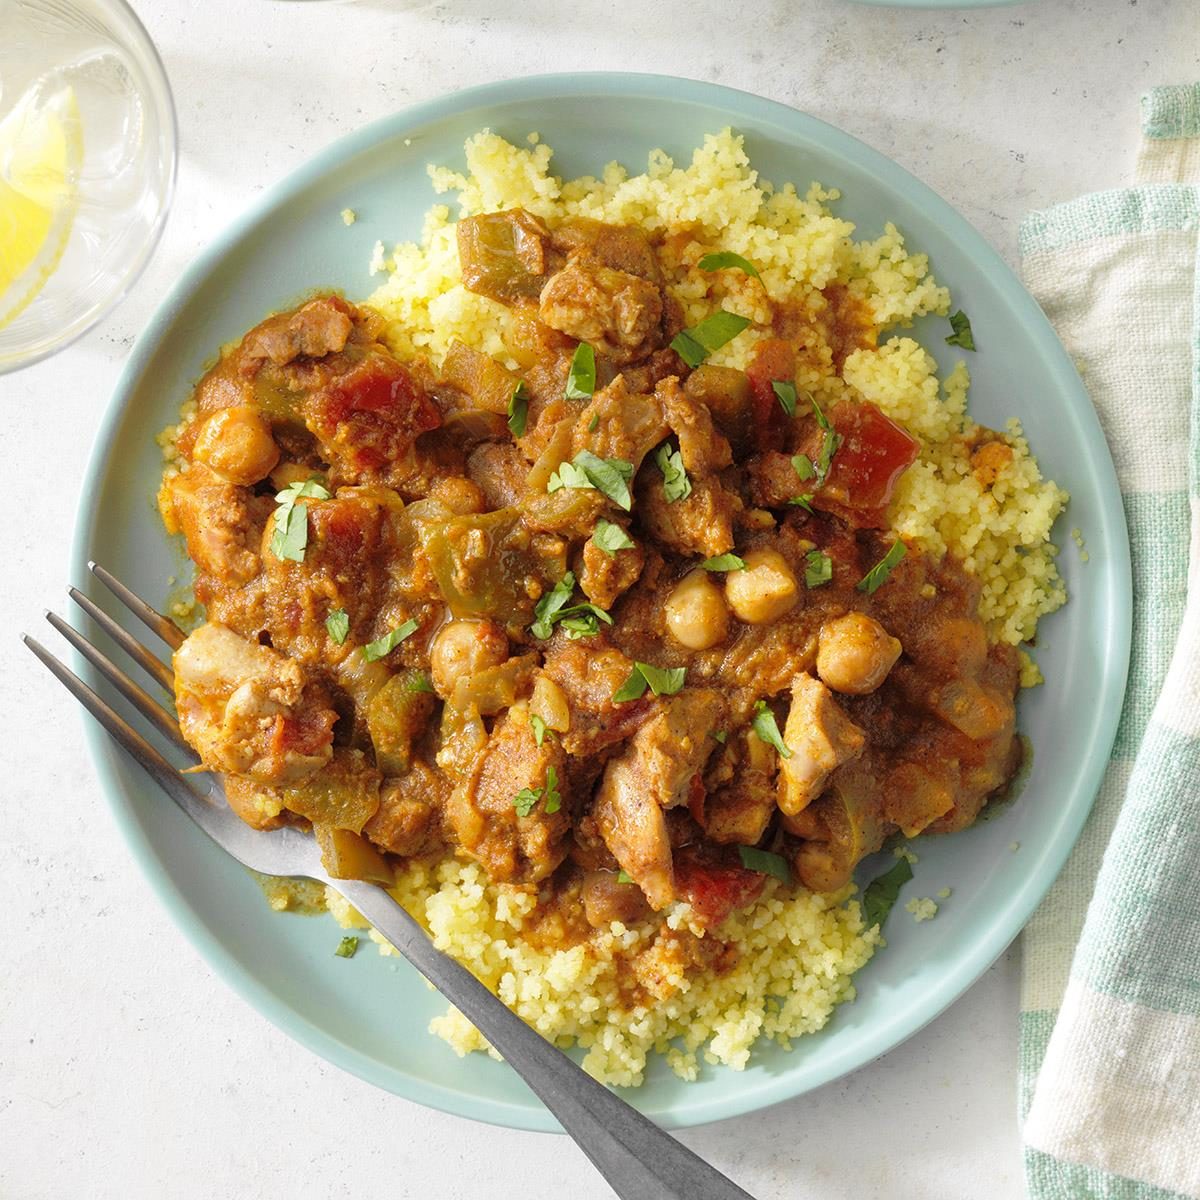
<point x="149" y="662"/>
<point x="137" y="696"/>
<point x="157" y="767"/>
<point x="163" y="627"/>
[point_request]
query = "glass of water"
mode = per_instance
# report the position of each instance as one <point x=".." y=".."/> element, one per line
<point x="87" y="167"/>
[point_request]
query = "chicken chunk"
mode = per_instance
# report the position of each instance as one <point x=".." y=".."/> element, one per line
<point x="855" y="654"/>
<point x="701" y="523"/>
<point x="617" y="313"/>
<point x="483" y="814"/>
<point x="222" y="523"/>
<point x="318" y="328"/>
<point x="703" y="449"/>
<point x="821" y="738"/>
<point x="408" y="819"/>
<point x="606" y="574"/>
<point x="248" y="710"/>
<point x="655" y="773"/>
<point x="622" y="247"/>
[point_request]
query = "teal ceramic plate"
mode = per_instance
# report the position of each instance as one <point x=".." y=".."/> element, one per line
<point x="370" y="1015"/>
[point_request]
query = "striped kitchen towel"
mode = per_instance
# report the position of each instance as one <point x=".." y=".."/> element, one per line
<point x="1110" y="1021"/>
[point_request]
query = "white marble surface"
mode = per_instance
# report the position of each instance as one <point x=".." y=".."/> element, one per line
<point x="126" y="1068"/>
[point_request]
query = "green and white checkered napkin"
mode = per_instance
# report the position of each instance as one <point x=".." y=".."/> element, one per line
<point x="1110" y="1022"/>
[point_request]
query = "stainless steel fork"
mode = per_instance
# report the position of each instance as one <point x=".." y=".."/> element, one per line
<point x="639" y="1160"/>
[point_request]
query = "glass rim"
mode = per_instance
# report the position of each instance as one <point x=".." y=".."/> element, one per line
<point x="160" y="96"/>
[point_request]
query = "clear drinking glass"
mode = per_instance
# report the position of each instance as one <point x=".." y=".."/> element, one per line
<point x="87" y="167"/>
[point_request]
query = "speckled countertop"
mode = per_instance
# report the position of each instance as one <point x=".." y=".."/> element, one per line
<point x="126" y="1068"/>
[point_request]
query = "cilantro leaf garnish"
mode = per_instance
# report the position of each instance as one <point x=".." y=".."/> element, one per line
<point x="623" y="876"/>
<point x="610" y="538"/>
<point x="875" y="578"/>
<point x="764" y="725"/>
<point x="550" y="604"/>
<point x="765" y="863"/>
<point x="289" y="538"/>
<point x="526" y="799"/>
<point x="803" y="501"/>
<point x="724" y="562"/>
<point x="676" y="484"/>
<point x="818" y="569"/>
<point x="553" y="799"/>
<point x="579" y="620"/>
<point x="803" y="467"/>
<point x="518" y="409"/>
<point x="539" y="728"/>
<point x="696" y="344"/>
<point x="662" y="681"/>
<point x="726" y="258"/>
<point x="346" y="947"/>
<point x="785" y="393"/>
<point x="608" y="475"/>
<point x="337" y="625"/>
<point x="581" y="378"/>
<point x="822" y="419"/>
<point x="962" y="335"/>
<point x="883" y="891"/>
<point x="720" y="735"/>
<point x="420" y="683"/>
<point x="390" y="640"/>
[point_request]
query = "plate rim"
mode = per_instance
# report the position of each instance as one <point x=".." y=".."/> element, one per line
<point x="1006" y="923"/>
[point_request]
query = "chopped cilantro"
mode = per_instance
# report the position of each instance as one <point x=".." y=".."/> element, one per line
<point x="608" y="475"/>
<point x="539" y="728"/>
<point x="785" y="393"/>
<point x="337" y="625"/>
<point x="676" y="484"/>
<point x="579" y="620"/>
<point x="803" y="467"/>
<point x="875" y="578"/>
<point x="803" y="501"/>
<point x="662" y="681"/>
<point x="594" y="423"/>
<point x="724" y="562"/>
<point x="818" y="569"/>
<point x="553" y="798"/>
<point x="883" y="891"/>
<point x="581" y="379"/>
<point x="346" y="947"/>
<point x="624" y="876"/>
<point x="962" y="335"/>
<point x="764" y="725"/>
<point x="726" y="258"/>
<point x="525" y="799"/>
<point x="420" y="683"/>
<point x="518" y="409"/>
<point x="289" y="538"/>
<point x="765" y="863"/>
<point x="610" y="538"/>
<point x="696" y="344"/>
<point x="822" y="419"/>
<point x="390" y="640"/>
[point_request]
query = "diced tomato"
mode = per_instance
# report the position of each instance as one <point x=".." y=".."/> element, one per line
<point x="774" y="360"/>
<point x="371" y="414"/>
<point x="307" y="732"/>
<point x="344" y="534"/>
<point x="714" y="887"/>
<point x="873" y="454"/>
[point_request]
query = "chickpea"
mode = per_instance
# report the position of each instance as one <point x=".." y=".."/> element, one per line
<point x="461" y="648"/>
<point x="764" y="591"/>
<point x="237" y="443"/>
<point x="855" y="653"/>
<point x="696" y="614"/>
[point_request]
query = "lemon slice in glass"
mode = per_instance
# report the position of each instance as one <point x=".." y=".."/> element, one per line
<point x="41" y="148"/>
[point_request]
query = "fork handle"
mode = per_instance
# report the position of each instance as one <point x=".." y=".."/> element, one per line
<point x="639" y="1160"/>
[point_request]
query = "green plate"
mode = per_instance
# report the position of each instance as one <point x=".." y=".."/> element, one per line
<point x="369" y="1014"/>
